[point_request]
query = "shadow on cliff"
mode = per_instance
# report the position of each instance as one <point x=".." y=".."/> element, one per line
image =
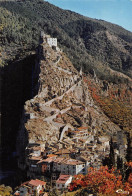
<point x="18" y="81"/>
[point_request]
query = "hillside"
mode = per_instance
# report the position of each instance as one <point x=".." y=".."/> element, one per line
<point x="62" y="107"/>
<point x="65" y="125"/>
<point x="59" y="103"/>
<point x="93" y="44"/>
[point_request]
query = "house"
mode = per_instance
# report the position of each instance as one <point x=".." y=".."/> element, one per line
<point x="37" y="151"/>
<point x="23" y="191"/>
<point x="73" y="167"/>
<point x="32" y="160"/>
<point x="36" y="186"/>
<point x="81" y="132"/>
<point x="31" y="187"/>
<point x="65" y="153"/>
<point x="32" y="164"/>
<point x="57" y="164"/>
<point x="51" y="41"/>
<point x="68" y="166"/>
<point x="47" y="151"/>
<point x="68" y="143"/>
<point x="63" y="181"/>
<point x="86" y="159"/>
<point x="46" y="165"/>
<point x="44" y="38"/>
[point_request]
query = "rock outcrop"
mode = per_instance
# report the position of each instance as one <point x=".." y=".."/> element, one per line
<point x="63" y="102"/>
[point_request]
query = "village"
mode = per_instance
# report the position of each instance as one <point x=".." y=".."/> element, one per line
<point x="59" y="162"/>
<point x="63" y="138"/>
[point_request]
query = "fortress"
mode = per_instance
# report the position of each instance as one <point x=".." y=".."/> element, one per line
<point x="49" y="40"/>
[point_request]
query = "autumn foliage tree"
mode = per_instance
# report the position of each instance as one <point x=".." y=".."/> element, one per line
<point x="5" y="190"/>
<point x="102" y="181"/>
<point x="128" y="184"/>
<point x="115" y="102"/>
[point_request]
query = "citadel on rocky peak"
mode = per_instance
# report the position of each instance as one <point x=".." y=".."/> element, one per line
<point x="47" y="39"/>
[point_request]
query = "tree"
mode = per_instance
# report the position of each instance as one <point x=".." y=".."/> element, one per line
<point x="111" y="155"/>
<point x="102" y="180"/>
<point x="128" y="184"/>
<point x="129" y="148"/>
<point x="5" y="190"/>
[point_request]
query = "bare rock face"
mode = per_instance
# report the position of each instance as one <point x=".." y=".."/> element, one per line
<point x="57" y="78"/>
<point x="63" y="100"/>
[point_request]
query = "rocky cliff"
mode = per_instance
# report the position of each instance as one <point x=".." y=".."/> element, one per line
<point x="63" y="102"/>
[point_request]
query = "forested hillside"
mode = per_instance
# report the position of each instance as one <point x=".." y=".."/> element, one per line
<point x="93" y="44"/>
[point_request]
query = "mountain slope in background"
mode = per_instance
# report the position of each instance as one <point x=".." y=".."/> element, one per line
<point x="93" y="44"/>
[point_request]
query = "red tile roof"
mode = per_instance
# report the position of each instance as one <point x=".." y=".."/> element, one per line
<point x="51" y="155"/>
<point x="36" y="182"/>
<point x="58" y="160"/>
<point x="62" y="179"/>
<point x="80" y="128"/>
<point x="63" y="151"/>
<point x="72" y="162"/>
<point x="50" y="159"/>
<point x="17" y="193"/>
